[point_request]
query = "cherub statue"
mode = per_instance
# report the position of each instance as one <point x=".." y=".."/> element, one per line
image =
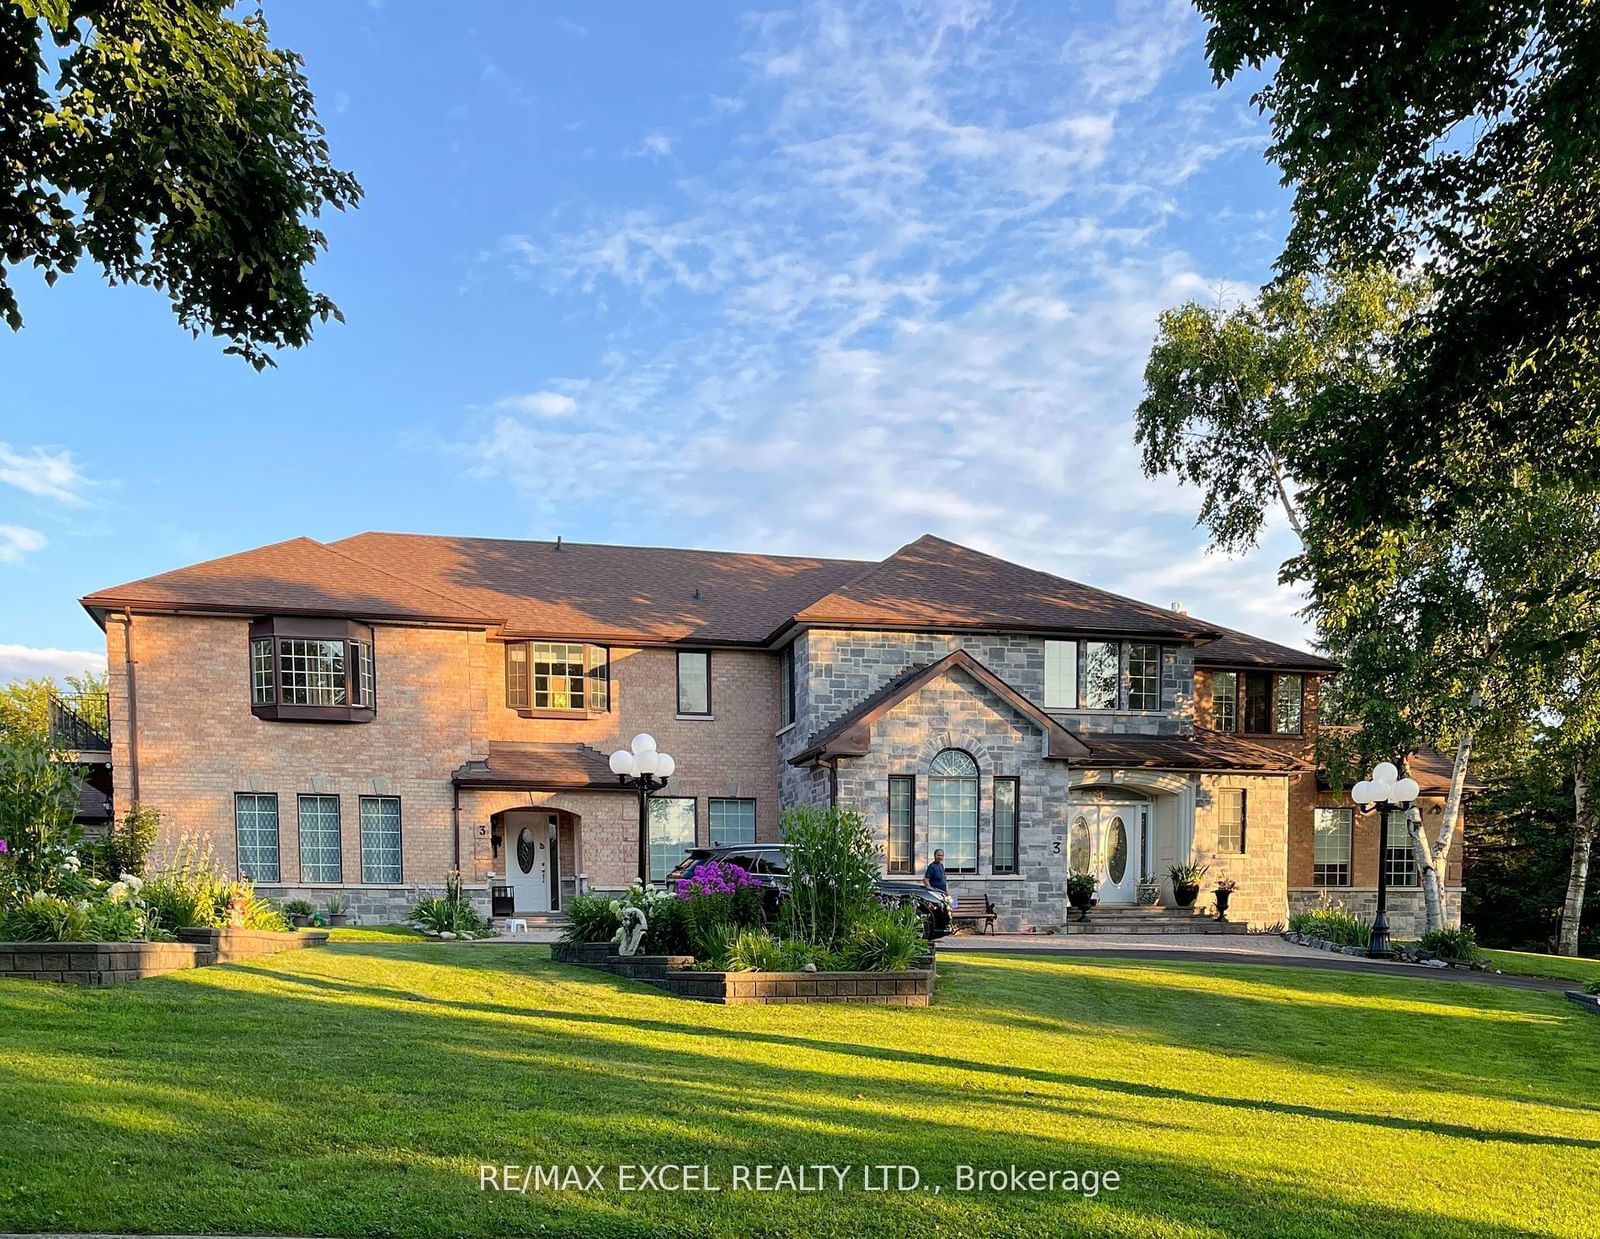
<point x="633" y="926"/>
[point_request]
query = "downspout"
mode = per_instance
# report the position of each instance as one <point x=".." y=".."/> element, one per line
<point x="129" y="662"/>
<point x="833" y="783"/>
<point x="455" y="822"/>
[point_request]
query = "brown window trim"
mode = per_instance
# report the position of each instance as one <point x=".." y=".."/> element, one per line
<point x="677" y="664"/>
<point x="525" y="707"/>
<point x="1016" y="824"/>
<point x="278" y="628"/>
<point x="1239" y="713"/>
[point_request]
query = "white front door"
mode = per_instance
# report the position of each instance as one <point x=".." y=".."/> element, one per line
<point x="531" y="855"/>
<point x="1105" y="840"/>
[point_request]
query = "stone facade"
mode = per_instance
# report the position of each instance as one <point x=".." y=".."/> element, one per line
<point x="956" y="712"/>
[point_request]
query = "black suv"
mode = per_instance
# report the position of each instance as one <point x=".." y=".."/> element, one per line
<point x="768" y="864"/>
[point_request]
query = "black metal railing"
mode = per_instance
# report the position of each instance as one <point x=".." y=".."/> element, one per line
<point x="77" y="723"/>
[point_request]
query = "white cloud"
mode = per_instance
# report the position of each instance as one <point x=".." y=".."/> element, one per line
<point x="23" y="662"/>
<point x="915" y="294"/>
<point x="539" y="404"/>
<point x="50" y="473"/>
<point x="657" y="145"/>
<point x="16" y="541"/>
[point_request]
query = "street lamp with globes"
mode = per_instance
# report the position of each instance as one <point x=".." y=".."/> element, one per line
<point x="1383" y="790"/>
<point x="646" y="770"/>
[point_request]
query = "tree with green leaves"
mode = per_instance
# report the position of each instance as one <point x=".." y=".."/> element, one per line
<point x="1461" y="141"/>
<point x="1446" y="629"/>
<point x="177" y="149"/>
<point x="25" y="704"/>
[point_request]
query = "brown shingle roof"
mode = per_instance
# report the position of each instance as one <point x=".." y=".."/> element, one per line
<point x="601" y="592"/>
<point x="539" y="766"/>
<point x="628" y="593"/>
<point x="1240" y="649"/>
<point x="297" y="576"/>
<point x="851" y="735"/>
<point x="933" y="583"/>
<point x="1204" y="750"/>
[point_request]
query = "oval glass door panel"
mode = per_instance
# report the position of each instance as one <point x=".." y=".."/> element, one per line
<point x="527" y="850"/>
<point x="1117" y="847"/>
<point x="1078" y="845"/>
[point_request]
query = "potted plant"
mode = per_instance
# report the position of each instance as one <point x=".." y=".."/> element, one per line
<point x="300" y="912"/>
<point x="1185" y="881"/>
<point x="1080" y="892"/>
<point x="1149" y="891"/>
<point x="1225" y="889"/>
<point x="338" y="910"/>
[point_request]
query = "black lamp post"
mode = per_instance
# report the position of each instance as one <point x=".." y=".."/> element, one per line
<point x="646" y="771"/>
<point x="1384" y="791"/>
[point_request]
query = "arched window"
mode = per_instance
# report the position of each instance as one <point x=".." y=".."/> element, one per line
<point x="953" y="810"/>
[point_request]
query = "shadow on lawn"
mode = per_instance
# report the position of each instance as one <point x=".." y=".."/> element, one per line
<point x="880" y="1053"/>
<point x="412" y="1097"/>
<point x="1287" y="1009"/>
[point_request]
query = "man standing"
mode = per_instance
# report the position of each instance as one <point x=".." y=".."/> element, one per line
<point x="933" y="875"/>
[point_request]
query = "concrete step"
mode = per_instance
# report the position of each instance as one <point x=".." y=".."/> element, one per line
<point x="1097" y="924"/>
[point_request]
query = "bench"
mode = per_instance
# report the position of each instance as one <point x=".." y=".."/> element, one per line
<point x="973" y="908"/>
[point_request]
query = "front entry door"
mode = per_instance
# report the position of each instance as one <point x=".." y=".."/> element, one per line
<point x="1104" y="839"/>
<point x="533" y="862"/>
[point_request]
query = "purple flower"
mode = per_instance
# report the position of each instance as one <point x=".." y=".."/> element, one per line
<point x="4" y="847"/>
<point x="714" y="877"/>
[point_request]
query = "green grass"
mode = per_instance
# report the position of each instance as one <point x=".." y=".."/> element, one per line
<point x="375" y="933"/>
<point x="1532" y="964"/>
<point x="356" y="1089"/>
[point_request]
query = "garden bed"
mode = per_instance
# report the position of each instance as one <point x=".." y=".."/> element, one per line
<point x="1589" y="1002"/>
<point x="112" y="963"/>
<point x="676" y="975"/>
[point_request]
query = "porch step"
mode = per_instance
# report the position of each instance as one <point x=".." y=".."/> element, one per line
<point x="1153" y="926"/>
<point x="536" y="920"/>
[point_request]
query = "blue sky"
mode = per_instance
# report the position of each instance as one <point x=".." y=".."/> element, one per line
<point x="810" y="280"/>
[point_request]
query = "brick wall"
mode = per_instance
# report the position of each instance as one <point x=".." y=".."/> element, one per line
<point x="440" y="700"/>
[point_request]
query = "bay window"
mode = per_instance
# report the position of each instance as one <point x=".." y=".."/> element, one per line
<point x="312" y="670"/>
<point x="558" y="677"/>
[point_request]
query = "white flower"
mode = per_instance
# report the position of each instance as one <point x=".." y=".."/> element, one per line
<point x="72" y="864"/>
<point x="132" y="880"/>
<point x="116" y="891"/>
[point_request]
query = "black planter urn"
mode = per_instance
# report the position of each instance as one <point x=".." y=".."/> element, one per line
<point x="1222" y="904"/>
<point x="1186" y="893"/>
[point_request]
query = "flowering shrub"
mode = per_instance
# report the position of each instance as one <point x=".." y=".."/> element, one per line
<point x="717" y="894"/>
<point x="714" y="877"/>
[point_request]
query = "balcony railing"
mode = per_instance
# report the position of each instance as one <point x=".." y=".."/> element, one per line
<point x="78" y="723"/>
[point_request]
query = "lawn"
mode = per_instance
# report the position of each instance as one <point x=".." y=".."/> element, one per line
<point x="1532" y="964"/>
<point x="357" y="1088"/>
<point x="375" y="933"/>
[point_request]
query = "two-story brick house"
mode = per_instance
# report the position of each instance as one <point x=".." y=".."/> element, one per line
<point x="366" y="715"/>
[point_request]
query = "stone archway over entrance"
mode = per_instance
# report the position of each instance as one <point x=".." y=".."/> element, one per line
<point x="1155" y="811"/>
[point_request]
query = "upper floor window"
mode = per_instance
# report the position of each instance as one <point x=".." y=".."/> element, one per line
<point x="312" y="670"/>
<point x="558" y="677"/>
<point x="694" y="682"/>
<point x="1258" y="703"/>
<point x="786" y="685"/>
<point x="1225" y="700"/>
<point x="1144" y="676"/>
<point x="1102" y="673"/>
<point x="1290" y="694"/>
<point x="1060" y="675"/>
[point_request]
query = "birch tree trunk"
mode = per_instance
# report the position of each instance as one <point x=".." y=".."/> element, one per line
<point x="1430" y="859"/>
<point x="1578" y="876"/>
